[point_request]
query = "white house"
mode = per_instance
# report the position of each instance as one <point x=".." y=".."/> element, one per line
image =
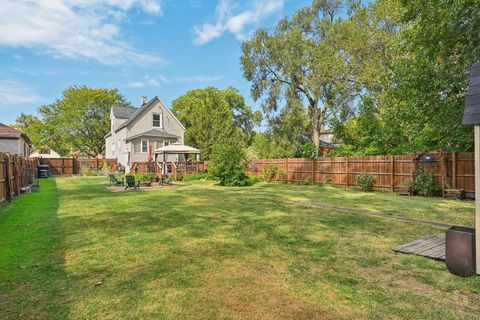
<point x="136" y="132"/>
<point x="45" y="153"/>
<point x="14" y="141"/>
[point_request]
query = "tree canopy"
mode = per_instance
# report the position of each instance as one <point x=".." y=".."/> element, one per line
<point x="388" y="77"/>
<point x="79" y="120"/>
<point x="215" y="117"/>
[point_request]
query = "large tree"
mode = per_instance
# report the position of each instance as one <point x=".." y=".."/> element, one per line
<point x="214" y="117"/>
<point x="79" y="120"/>
<point x="424" y="77"/>
<point x="302" y="59"/>
<point x="440" y="40"/>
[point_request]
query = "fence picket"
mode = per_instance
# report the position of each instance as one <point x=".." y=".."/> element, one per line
<point x="388" y="171"/>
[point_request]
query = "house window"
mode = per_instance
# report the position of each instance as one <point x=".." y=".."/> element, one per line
<point x="144" y="146"/>
<point x="159" y="144"/>
<point x="166" y="143"/>
<point x="157" y="120"/>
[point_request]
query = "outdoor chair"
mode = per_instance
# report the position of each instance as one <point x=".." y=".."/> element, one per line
<point x="114" y="181"/>
<point x="131" y="183"/>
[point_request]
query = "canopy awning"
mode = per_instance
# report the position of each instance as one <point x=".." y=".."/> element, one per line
<point x="177" y="149"/>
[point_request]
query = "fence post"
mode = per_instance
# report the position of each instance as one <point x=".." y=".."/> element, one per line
<point x="414" y="169"/>
<point x="313" y="170"/>
<point x="392" y="173"/>
<point x="286" y="169"/>
<point x="347" y="174"/>
<point x="454" y="170"/>
<point x="63" y="166"/>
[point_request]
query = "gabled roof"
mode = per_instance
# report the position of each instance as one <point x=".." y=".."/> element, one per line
<point x="7" y="132"/>
<point x="471" y="114"/>
<point x="123" y="112"/>
<point x="140" y="110"/>
<point x="154" y="133"/>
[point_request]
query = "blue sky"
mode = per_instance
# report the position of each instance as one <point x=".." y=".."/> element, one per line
<point x="141" y="47"/>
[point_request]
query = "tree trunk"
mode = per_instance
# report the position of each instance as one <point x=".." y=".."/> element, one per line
<point x="316" y="125"/>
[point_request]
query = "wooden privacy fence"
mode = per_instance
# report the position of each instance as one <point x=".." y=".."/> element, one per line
<point x="452" y="170"/>
<point x="16" y="173"/>
<point x="61" y="166"/>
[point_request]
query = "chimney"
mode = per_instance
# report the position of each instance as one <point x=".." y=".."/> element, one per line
<point x="144" y="101"/>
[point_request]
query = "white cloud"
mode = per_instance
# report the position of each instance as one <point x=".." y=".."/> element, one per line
<point x="82" y="29"/>
<point x="228" y="19"/>
<point x="136" y="84"/>
<point x="199" y="79"/>
<point x="148" y="81"/>
<point x="16" y="93"/>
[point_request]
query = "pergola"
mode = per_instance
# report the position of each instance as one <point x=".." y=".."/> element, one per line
<point x="472" y="116"/>
<point x="176" y="149"/>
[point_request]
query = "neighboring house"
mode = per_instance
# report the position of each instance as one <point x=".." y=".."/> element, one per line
<point x="45" y="153"/>
<point x="136" y="132"/>
<point x="14" y="141"/>
<point x="327" y="141"/>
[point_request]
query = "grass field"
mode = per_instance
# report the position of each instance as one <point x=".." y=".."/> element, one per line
<point x="76" y="250"/>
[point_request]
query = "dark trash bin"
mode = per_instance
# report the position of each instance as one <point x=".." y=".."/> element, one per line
<point x="460" y="251"/>
<point x="44" y="171"/>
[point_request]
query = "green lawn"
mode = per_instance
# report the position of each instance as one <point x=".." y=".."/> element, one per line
<point x="76" y="250"/>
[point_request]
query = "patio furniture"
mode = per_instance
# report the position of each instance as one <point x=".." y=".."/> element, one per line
<point x="131" y="183"/>
<point x="114" y="181"/>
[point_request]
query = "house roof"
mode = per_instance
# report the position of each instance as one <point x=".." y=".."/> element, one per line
<point x="139" y="111"/>
<point x="154" y="133"/>
<point x="123" y="112"/>
<point x="177" y="149"/>
<point x="7" y="132"/>
<point x="471" y="114"/>
<point x="326" y="144"/>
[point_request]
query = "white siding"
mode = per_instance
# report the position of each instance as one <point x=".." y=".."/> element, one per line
<point x="117" y="147"/>
<point x="9" y="145"/>
<point x="144" y="122"/>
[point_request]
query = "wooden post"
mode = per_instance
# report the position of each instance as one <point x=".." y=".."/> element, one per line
<point x="286" y="169"/>
<point x="392" y="173"/>
<point x="477" y="195"/>
<point x="313" y="170"/>
<point x="454" y="170"/>
<point x="442" y="171"/>
<point x="347" y="174"/>
<point x="63" y="166"/>
<point x="414" y="169"/>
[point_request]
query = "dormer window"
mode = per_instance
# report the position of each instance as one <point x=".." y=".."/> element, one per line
<point x="157" y="120"/>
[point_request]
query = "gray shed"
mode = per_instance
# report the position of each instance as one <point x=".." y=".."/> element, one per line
<point x="472" y="106"/>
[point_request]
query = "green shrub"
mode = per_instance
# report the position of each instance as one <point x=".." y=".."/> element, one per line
<point x="255" y="179"/>
<point x="309" y="150"/>
<point x="197" y="176"/>
<point x="272" y="173"/>
<point x="143" y="177"/>
<point x="228" y="165"/>
<point x="425" y="183"/>
<point x="365" y="181"/>
<point x="86" y="170"/>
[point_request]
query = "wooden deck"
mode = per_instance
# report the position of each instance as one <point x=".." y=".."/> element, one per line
<point x="432" y="246"/>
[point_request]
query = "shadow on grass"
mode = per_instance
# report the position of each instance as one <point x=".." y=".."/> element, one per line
<point x="32" y="275"/>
